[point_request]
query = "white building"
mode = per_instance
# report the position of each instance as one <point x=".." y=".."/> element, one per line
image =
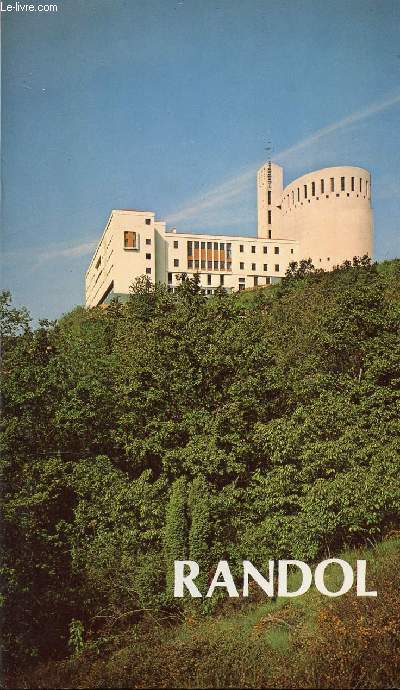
<point x="324" y="215"/>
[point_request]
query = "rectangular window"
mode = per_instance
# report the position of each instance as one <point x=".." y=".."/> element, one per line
<point x="292" y="196"/>
<point x="148" y="221"/>
<point x="305" y="191"/>
<point x="216" y="246"/>
<point x="196" y="245"/>
<point x="148" y="256"/>
<point x="241" y="265"/>
<point x="276" y="250"/>
<point x="265" y="249"/>
<point x="366" y="187"/>
<point x="221" y="280"/>
<point x="298" y="193"/>
<point x="312" y="188"/>
<point x="277" y="268"/>
<point x="98" y="262"/>
<point x="269" y="234"/>
<point x="253" y="267"/>
<point x="360" y="184"/>
<point x="222" y="265"/>
<point x="265" y="267"/>
<point x="241" y="287"/>
<point x="170" y="277"/>
<point x="176" y="244"/>
<point x="148" y="271"/>
<point x="130" y="240"/>
<point x="209" y="265"/>
<point x="255" y="281"/>
<point x="352" y="184"/>
<point x="148" y="240"/>
<point x="269" y="217"/>
<point x="208" y="279"/>
<point x="176" y="263"/>
<point x="203" y="245"/>
<point x="229" y="251"/>
<point x="242" y="280"/>
<point x="190" y="248"/>
<point x="196" y="263"/>
<point x="209" y="245"/>
<point x="190" y="263"/>
<point x="229" y="266"/>
<point x="269" y="198"/>
<point x="215" y="265"/>
<point x="203" y="263"/>
<point x="342" y="184"/>
<point x="332" y="184"/>
<point x="253" y="249"/>
<point x="241" y="248"/>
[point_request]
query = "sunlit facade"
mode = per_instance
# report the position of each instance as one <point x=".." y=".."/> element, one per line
<point x="324" y="215"/>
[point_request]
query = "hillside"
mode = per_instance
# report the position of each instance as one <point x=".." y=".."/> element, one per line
<point x="295" y="643"/>
<point x="254" y="426"/>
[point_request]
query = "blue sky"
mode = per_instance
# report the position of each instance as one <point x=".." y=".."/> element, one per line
<point x="167" y="106"/>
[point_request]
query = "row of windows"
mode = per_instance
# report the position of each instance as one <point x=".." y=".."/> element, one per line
<point x="210" y="255"/>
<point x="220" y="266"/>
<point x="209" y="246"/>
<point x="343" y="184"/>
<point x="209" y="265"/>
<point x="254" y="267"/>
<point x="242" y="281"/>
<point x="194" y="247"/>
<point x="209" y="279"/>
<point x="253" y="249"/>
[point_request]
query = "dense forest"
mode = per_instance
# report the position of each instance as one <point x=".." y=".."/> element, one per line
<point x="257" y="425"/>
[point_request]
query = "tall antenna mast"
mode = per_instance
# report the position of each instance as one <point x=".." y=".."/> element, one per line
<point x="268" y="149"/>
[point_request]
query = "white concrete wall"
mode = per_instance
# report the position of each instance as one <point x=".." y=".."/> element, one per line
<point x="330" y="225"/>
<point x="119" y="264"/>
<point x="231" y="280"/>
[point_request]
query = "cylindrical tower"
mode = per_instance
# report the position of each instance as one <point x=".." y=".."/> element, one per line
<point x="329" y="212"/>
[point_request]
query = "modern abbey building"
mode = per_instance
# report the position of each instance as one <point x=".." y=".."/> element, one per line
<point x="324" y="215"/>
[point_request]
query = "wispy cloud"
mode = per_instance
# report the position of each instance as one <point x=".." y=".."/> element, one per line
<point x="215" y="197"/>
<point x="357" y="116"/>
<point x="218" y="197"/>
<point x="75" y="250"/>
<point x="41" y="255"/>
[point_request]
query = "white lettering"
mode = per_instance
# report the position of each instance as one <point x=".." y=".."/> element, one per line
<point x="266" y="585"/>
<point x="348" y="577"/>
<point x="227" y="581"/>
<point x="283" y="575"/>
<point x="361" y="577"/>
<point x="181" y="580"/>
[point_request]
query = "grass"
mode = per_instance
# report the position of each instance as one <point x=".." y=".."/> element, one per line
<point x="305" y="642"/>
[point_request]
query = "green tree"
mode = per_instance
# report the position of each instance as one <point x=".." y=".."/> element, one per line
<point x="200" y="532"/>
<point x="175" y="531"/>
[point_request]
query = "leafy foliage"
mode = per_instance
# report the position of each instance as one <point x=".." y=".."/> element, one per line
<point x="257" y="425"/>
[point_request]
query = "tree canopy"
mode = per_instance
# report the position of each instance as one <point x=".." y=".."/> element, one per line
<point x="256" y="425"/>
